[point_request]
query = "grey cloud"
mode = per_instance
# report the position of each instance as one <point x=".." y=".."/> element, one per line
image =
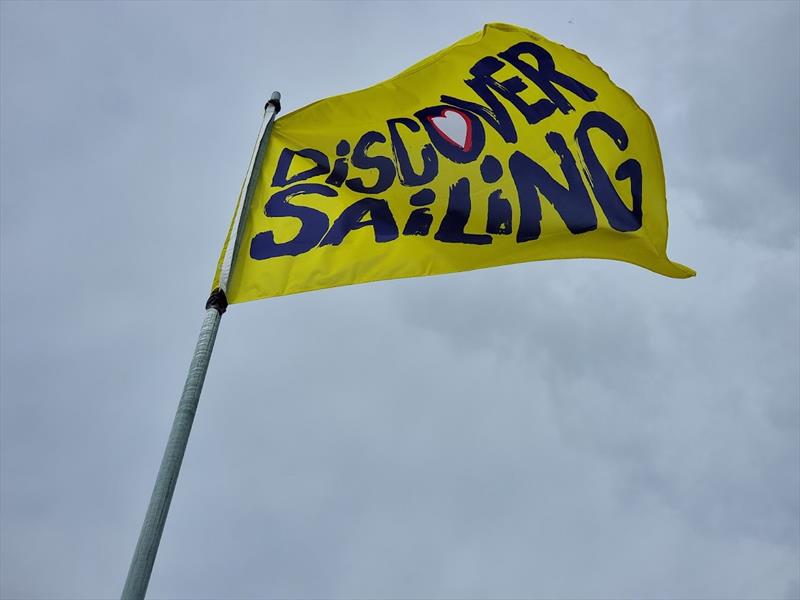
<point x="573" y="429"/>
<point x="743" y="148"/>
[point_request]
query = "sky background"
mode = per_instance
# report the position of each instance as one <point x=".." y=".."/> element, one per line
<point x="571" y="429"/>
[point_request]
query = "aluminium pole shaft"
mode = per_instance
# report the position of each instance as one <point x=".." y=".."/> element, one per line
<point x="146" y="548"/>
<point x="144" y="555"/>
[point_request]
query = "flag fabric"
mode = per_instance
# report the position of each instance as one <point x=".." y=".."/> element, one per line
<point x="504" y="148"/>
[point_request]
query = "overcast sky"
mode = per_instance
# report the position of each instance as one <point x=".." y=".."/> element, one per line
<point x="571" y="429"/>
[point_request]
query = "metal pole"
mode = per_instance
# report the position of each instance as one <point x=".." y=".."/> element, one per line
<point x="153" y="526"/>
<point x="150" y="536"/>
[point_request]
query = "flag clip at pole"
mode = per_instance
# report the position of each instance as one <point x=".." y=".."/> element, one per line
<point x="275" y="101"/>
<point x="218" y="301"/>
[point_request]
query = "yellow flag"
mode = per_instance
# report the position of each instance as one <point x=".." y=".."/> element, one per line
<point x="504" y="148"/>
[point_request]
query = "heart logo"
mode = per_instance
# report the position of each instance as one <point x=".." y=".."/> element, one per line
<point x="454" y="126"/>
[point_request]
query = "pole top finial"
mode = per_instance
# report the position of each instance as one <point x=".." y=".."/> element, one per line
<point x="275" y="101"/>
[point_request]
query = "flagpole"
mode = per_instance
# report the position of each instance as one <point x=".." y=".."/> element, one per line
<point x="150" y="536"/>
